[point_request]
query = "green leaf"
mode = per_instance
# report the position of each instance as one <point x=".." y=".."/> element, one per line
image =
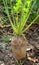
<point x="20" y="8"/>
<point x="4" y="46"/>
<point x="5" y="39"/>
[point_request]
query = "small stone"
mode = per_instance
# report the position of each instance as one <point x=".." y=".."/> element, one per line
<point x="2" y="64"/>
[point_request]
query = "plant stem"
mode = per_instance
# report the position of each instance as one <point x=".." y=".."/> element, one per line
<point x="31" y="23"/>
<point x="6" y="8"/>
<point x="26" y="17"/>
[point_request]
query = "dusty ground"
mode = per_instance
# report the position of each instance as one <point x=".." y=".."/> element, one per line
<point x="6" y="56"/>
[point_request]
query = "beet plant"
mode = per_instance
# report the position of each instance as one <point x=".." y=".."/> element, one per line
<point x="18" y="14"/>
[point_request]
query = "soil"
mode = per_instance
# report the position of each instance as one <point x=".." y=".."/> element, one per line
<point x="6" y="55"/>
